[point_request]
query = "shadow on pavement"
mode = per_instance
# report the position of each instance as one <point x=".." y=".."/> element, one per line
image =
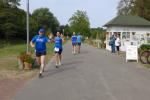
<point x="66" y="66"/>
<point x="71" y="63"/>
<point x="61" y="69"/>
<point x="84" y="52"/>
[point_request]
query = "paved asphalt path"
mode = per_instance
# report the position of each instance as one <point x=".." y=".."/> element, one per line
<point x="92" y="75"/>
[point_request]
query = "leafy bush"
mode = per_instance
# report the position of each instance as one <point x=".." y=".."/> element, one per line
<point x="144" y="47"/>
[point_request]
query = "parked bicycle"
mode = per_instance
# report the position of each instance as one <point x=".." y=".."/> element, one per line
<point x="145" y="57"/>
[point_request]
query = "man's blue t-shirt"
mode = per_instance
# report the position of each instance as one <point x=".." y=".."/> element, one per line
<point x="58" y="42"/>
<point x="40" y="42"/>
<point x="74" y="39"/>
<point x="79" y="38"/>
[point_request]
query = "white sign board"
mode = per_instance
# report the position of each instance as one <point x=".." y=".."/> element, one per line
<point x="131" y="53"/>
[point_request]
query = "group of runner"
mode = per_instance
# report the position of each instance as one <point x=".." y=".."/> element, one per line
<point x="76" y="42"/>
<point x="39" y="43"/>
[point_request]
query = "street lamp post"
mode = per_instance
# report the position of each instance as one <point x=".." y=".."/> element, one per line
<point x="27" y="26"/>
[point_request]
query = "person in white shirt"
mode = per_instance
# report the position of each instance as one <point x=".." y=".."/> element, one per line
<point x="118" y="43"/>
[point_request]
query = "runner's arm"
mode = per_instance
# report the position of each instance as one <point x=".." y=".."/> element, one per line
<point x="51" y="37"/>
<point x="32" y="44"/>
<point x="62" y="37"/>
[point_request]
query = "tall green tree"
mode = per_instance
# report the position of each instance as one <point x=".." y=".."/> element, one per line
<point x="11" y="19"/>
<point x="98" y="31"/>
<point x="46" y="19"/>
<point x="125" y="7"/>
<point x="79" y="22"/>
<point x="134" y="7"/>
<point x="65" y="29"/>
<point x="142" y="8"/>
<point x="9" y="3"/>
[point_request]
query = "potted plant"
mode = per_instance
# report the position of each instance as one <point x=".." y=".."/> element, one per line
<point x="144" y="47"/>
<point x="26" y="60"/>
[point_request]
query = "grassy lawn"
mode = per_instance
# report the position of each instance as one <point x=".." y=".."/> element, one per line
<point x="9" y="62"/>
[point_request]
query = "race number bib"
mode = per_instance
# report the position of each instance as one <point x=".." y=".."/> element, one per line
<point x="56" y="49"/>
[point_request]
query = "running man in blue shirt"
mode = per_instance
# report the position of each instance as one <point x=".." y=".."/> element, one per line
<point x="79" y="40"/>
<point x="74" y="43"/>
<point x="58" y="49"/>
<point x="39" y="42"/>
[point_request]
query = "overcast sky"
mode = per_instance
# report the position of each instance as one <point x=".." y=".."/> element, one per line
<point x="98" y="11"/>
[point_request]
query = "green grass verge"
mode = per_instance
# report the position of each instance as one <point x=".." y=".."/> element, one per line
<point x="9" y="53"/>
<point x="9" y="61"/>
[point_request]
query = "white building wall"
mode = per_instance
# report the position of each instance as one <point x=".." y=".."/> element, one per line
<point x="138" y="32"/>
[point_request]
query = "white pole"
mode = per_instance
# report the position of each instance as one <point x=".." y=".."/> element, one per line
<point x="27" y="26"/>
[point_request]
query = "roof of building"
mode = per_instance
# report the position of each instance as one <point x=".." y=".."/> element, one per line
<point x="128" y="20"/>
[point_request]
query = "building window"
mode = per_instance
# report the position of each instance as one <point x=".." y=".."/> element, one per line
<point x="126" y="35"/>
<point x="148" y="37"/>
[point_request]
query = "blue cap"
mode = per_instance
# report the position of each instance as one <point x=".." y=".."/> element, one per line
<point x="42" y="30"/>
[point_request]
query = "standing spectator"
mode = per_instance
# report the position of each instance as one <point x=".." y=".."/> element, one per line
<point x="112" y="43"/>
<point x="118" y="43"/>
